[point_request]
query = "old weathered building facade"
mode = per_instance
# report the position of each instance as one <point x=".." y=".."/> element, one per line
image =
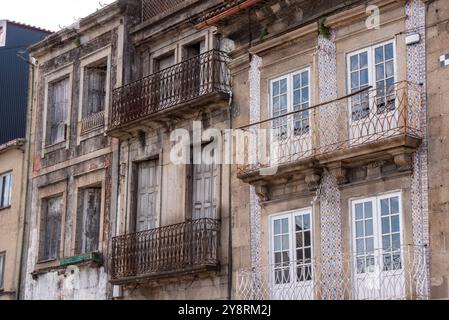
<point x="342" y="189"/>
<point x="70" y="202"/>
<point x="172" y="218"/>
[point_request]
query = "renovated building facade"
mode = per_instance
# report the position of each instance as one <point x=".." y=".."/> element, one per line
<point x="14" y="71"/>
<point x="338" y="199"/>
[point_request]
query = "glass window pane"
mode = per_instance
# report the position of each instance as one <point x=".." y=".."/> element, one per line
<point x="296" y="81"/>
<point x="285" y="226"/>
<point x="395" y="224"/>
<point x="389" y="51"/>
<point x="368" y="210"/>
<point x="389" y="69"/>
<point x="396" y="239"/>
<point x="363" y="60"/>
<point x="299" y="240"/>
<point x="394" y="205"/>
<point x="299" y="223"/>
<point x="355" y="80"/>
<point x="364" y="77"/>
<point x="306" y="222"/>
<point x="297" y="97"/>
<point x="283" y="103"/>
<point x="307" y="254"/>
<point x="380" y="72"/>
<point x="286" y="258"/>
<point x="386" y="243"/>
<point x="275" y="88"/>
<point x="283" y="86"/>
<point x="359" y="211"/>
<point x="277" y="243"/>
<point x="277" y="227"/>
<point x="386" y="225"/>
<point x="305" y="78"/>
<point x="359" y="229"/>
<point x="354" y="62"/>
<point x="370" y="244"/>
<point x="384" y="207"/>
<point x="305" y="94"/>
<point x="360" y="246"/>
<point x="277" y="258"/>
<point x="285" y="242"/>
<point x="369" y="228"/>
<point x="307" y="239"/>
<point x="379" y="55"/>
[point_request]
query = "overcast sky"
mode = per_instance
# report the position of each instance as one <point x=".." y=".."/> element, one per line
<point x="48" y="14"/>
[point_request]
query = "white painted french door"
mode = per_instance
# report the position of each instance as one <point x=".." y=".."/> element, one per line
<point x="291" y="135"/>
<point x="148" y="195"/>
<point x="378" y="257"/>
<point x="291" y="268"/>
<point x="373" y="113"/>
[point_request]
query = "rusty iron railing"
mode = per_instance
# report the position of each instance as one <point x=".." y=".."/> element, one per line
<point x="152" y="8"/>
<point x="92" y="122"/>
<point x="205" y="74"/>
<point x="167" y="250"/>
<point x="370" y="116"/>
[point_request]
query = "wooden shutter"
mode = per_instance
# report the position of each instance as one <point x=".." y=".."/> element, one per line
<point x="57" y="113"/>
<point x="91" y="214"/>
<point x="147" y="195"/>
<point x="204" y="191"/>
<point x="52" y="234"/>
<point x="95" y="79"/>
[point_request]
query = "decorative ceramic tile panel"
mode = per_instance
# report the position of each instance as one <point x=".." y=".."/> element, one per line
<point x="416" y="70"/>
<point x="329" y="193"/>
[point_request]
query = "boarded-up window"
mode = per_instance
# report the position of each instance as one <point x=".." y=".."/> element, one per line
<point x="88" y="220"/>
<point x="95" y="89"/>
<point x="2" y="269"/>
<point x="50" y="239"/>
<point x="58" y="100"/>
<point x="204" y="199"/>
<point x="147" y="204"/>
<point x="5" y="190"/>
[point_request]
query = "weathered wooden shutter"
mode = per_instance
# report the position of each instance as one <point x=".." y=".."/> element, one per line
<point x="204" y="191"/>
<point x="90" y="234"/>
<point x="58" y="103"/>
<point x="52" y="234"/>
<point x="96" y="90"/>
<point x="148" y="195"/>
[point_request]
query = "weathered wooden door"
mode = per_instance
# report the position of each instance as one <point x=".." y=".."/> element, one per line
<point x="91" y="220"/>
<point x="204" y="191"/>
<point x="148" y="195"/>
<point x="52" y="227"/>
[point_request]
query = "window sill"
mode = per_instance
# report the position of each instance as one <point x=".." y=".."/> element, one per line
<point x="54" y="147"/>
<point x="94" y="259"/>
<point x="5" y="208"/>
<point x="6" y="293"/>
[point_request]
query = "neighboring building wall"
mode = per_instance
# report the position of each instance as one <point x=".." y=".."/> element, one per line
<point x="438" y="100"/>
<point x="14" y="78"/>
<point x="11" y="223"/>
<point x="64" y="172"/>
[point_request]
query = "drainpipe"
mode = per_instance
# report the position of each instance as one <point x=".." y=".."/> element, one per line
<point x="25" y="178"/>
<point x="230" y="251"/>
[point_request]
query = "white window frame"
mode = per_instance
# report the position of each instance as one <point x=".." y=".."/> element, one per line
<point x="290" y="106"/>
<point x="4" y="26"/>
<point x="291" y="215"/>
<point x="104" y="53"/>
<point x="2" y="192"/>
<point x="59" y="74"/>
<point x="371" y="53"/>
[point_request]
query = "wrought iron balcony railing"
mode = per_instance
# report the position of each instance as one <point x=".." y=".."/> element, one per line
<point x="366" y="117"/>
<point x="199" y="76"/>
<point x="184" y="247"/>
<point x="399" y="274"/>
